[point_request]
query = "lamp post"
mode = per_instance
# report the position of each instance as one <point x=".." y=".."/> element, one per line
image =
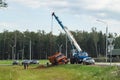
<point x="106" y="35"/>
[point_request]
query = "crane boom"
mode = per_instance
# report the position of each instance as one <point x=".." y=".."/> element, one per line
<point x="68" y="33"/>
<point x="78" y="56"/>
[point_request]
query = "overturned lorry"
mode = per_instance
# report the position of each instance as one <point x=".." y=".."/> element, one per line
<point x="58" y="58"/>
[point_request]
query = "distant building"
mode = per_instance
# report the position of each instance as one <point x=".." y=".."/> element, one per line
<point x="116" y="52"/>
<point x="115" y="55"/>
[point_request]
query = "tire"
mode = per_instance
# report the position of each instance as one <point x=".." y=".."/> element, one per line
<point x="80" y="62"/>
<point x="72" y="60"/>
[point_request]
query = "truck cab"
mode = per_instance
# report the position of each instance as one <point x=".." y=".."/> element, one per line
<point x="58" y="58"/>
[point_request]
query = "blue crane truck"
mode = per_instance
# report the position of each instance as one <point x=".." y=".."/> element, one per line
<point x="78" y="56"/>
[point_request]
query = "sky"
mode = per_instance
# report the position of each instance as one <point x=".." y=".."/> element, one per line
<point x="81" y="15"/>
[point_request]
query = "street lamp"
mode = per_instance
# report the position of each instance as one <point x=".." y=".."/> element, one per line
<point x="106" y="35"/>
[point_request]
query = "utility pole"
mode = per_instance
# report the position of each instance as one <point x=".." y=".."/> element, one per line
<point x="30" y="48"/>
<point x="13" y="55"/>
<point x="106" y="36"/>
<point x="15" y="45"/>
<point x="23" y="48"/>
<point x="23" y="53"/>
<point x="106" y="41"/>
<point x="66" y="46"/>
<point x="60" y="48"/>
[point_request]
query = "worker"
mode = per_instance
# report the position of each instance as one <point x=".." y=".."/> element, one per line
<point x="47" y="64"/>
<point x="26" y="65"/>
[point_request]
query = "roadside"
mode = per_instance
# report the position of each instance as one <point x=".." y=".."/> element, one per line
<point x="107" y="64"/>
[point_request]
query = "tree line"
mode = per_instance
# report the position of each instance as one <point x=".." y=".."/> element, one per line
<point x="19" y="45"/>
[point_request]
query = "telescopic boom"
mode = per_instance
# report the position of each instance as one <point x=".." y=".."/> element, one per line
<point x="69" y="35"/>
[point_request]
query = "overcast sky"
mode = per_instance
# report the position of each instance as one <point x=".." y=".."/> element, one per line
<point x="34" y="15"/>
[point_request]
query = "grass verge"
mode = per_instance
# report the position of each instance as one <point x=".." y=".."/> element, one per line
<point x="61" y="72"/>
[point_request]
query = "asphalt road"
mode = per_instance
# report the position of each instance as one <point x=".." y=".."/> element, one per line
<point x="107" y="64"/>
<point x="97" y="63"/>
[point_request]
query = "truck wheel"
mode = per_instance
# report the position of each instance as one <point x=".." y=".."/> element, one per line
<point x="72" y="60"/>
<point x="80" y="62"/>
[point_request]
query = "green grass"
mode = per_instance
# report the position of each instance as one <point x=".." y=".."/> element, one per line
<point x="10" y="61"/>
<point x="61" y="72"/>
<point x="5" y="61"/>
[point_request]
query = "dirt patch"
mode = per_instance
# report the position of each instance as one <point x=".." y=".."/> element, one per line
<point x="41" y="67"/>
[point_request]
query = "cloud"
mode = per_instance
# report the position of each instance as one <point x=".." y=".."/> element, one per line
<point x="8" y="25"/>
<point x="94" y="4"/>
<point x="113" y="26"/>
<point x="112" y="5"/>
<point x="101" y="14"/>
<point x="100" y="9"/>
<point x="42" y="3"/>
<point x="29" y="3"/>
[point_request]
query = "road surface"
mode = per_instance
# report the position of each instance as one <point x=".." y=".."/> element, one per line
<point x="107" y="64"/>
